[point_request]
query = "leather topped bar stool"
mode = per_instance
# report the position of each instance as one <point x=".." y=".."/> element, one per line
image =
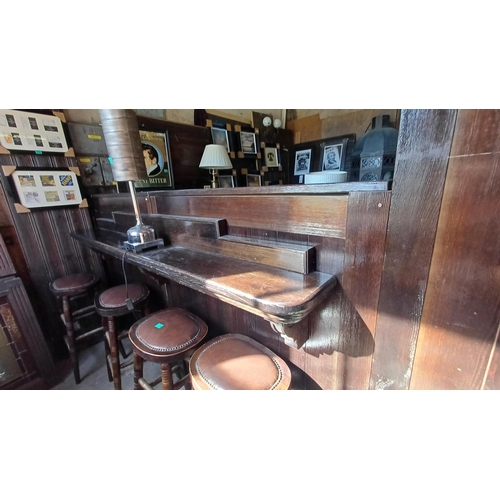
<point x="112" y="304"/>
<point x="67" y="289"/>
<point x="237" y="362"/>
<point x="165" y="337"/>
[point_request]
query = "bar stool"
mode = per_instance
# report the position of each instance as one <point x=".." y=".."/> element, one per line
<point x="237" y="362"/>
<point x="112" y="304"/>
<point x="165" y="337"/>
<point x="67" y="289"/>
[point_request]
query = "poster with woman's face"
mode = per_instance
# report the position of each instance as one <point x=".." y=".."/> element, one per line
<point x="156" y="152"/>
<point x="331" y="157"/>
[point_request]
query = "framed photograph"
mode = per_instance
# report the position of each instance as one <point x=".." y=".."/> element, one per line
<point x="333" y="155"/>
<point x="253" y="180"/>
<point x="271" y="157"/>
<point x="219" y="136"/>
<point x="302" y="161"/>
<point x="157" y="160"/>
<point x="20" y="130"/>
<point x="46" y="188"/>
<point x="248" y="143"/>
<point x="226" y="181"/>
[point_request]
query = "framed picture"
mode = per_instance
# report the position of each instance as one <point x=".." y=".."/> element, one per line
<point x="226" y="181"/>
<point x="253" y="180"/>
<point x="248" y="143"/>
<point x="271" y="157"/>
<point x="219" y="136"/>
<point x="20" y="130"/>
<point x="333" y="155"/>
<point x="302" y="161"/>
<point x="157" y="160"/>
<point x="46" y="188"/>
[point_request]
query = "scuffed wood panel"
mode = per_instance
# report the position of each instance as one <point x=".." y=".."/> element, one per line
<point x="462" y="305"/>
<point x="423" y="148"/>
<point x="364" y="257"/>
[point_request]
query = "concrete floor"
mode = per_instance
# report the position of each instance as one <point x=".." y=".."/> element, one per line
<point x="94" y="375"/>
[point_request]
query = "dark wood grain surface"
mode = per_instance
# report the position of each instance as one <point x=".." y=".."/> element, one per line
<point x="274" y="294"/>
<point x="462" y="305"/>
<point x="420" y="172"/>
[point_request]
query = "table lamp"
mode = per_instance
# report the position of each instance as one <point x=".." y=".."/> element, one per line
<point x="215" y="157"/>
<point x="121" y="134"/>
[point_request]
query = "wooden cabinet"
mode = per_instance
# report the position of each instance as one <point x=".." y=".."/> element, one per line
<point x="24" y="357"/>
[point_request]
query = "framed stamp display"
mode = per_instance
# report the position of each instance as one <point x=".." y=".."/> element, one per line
<point x="157" y="160"/>
<point x="253" y="180"/>
<point x="46" y="188"/>
<point x="24" y="131"/>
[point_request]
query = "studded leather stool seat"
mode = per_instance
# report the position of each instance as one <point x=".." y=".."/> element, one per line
<point x="111" y="304"/>
<point x="66" y="289"/>
<point x="237" y="362"/>
<point x="165" y="337"/>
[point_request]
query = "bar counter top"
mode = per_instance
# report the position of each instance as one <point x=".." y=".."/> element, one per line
<point x="280" y="296"/>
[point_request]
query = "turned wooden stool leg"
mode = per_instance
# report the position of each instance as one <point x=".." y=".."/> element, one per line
<point x="115" y="355"/>
<point x="107" y="351"/>
<point x="71" y="338"/>
<point x="138" y="363"/>
<point x="166" y="377"/>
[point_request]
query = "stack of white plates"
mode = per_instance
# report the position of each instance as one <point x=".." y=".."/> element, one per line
<point x="325" y="177"/>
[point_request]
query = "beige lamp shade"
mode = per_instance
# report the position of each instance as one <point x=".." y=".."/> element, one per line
<point x="215" y="157"/>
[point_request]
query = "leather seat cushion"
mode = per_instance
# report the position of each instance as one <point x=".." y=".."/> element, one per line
<point x="170" y="331"/>
<point x="116" y="296"/>
<point x="72" y="282"/>
<point x="237" y="362"/>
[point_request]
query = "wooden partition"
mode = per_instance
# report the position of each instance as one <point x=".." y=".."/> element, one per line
<point x="347" y="230"/>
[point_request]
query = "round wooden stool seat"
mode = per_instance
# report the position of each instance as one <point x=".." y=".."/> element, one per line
<point x="73" y="284"/>
<point x="112" y="302"/>
<point x="237" y="362"/>
<point x="164" y="337"/>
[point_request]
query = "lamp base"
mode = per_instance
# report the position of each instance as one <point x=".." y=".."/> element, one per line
<point x="213" y="182"/>
<point x="140" y="247"/>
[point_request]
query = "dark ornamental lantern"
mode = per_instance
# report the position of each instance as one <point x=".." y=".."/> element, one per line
<point x="374" y="154"/>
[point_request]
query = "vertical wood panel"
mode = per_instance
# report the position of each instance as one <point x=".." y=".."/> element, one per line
<point x="364" y="256"/>
<point x="462" y="305"/>
<point x="423" y="148"/>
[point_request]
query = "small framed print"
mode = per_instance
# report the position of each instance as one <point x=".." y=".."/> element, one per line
<point x="333" y="155"/>
<point x="302" y="161"/>
<point x="49" y="188"/>
<point x="253" y="180"/>
<point x="271" y="157"/>
<point x="248" y="143"/>
<point x="220" y="137"/>
<point x="226" y="181"/>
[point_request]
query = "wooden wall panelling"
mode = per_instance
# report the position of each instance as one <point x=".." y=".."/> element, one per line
<point x="306" y="129"/>
<point x="461" y="312"/>
<point x="423" y="148"/>
<point x="364" y="256"/>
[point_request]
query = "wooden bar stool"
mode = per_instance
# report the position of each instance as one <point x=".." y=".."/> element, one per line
<point x="112" y="304"/>
<point x="237" y="362"/>
<point x="67" y="289"/>
<point x="165" y="337"/>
